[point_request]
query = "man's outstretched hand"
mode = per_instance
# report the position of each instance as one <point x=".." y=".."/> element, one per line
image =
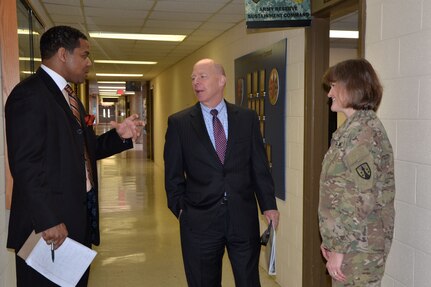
<point x="129" y="128"/>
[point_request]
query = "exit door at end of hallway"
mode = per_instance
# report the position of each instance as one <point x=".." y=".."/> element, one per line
<point x="106" y="114"/>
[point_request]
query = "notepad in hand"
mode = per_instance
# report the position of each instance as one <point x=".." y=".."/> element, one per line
<point x="71" y="259"/>
<point x="268" y="239"/>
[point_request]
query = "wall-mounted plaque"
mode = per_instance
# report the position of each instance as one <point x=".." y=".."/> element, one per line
<point x="262" y="106"/>
<point x="262" y="81"/>
<point x="249" y="95"/>
<point x="239" y="91"/>
<point x="255" y="84"/>
<point x="273" y="86"/>
<point x="264" y="72"/>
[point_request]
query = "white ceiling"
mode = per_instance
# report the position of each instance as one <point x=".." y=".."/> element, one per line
<point x="200" y="20"/>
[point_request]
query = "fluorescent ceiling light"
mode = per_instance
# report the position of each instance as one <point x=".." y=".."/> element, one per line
<point x="26" y="32"/>
<point x="145" y="37"/>
<point x="129" y="92"/>
<point x="125" y="62"/>
<point x="111" y="82"/>
<point x="29" y="59"/>
<point x="112" y="87"/>
<point x="118" y="75"/>
<point x="108" y="94"/>
<point x="108" y="91"/>
<point x="343" y="34"/>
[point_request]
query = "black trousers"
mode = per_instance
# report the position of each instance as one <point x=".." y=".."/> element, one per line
<point x="28" y="277"/>
<point x="203" y="253"/>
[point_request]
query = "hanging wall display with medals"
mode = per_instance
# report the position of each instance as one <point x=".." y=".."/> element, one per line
<point x="260" y="85"/>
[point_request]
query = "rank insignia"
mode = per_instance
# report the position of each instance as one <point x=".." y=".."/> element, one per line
<point x="364" y="170"/>
<point x="256" y="1"/>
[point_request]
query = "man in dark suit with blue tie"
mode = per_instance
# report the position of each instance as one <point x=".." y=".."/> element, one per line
<point x="52" y="152"/>
<point x="215" y="171"/>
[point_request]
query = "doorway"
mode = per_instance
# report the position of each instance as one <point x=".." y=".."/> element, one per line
<point x="106" y="114"/>
<point x="341" y="49"/>
<point x="320" y="122"/>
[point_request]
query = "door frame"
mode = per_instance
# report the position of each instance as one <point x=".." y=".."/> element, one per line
<point x="316" y="131"/>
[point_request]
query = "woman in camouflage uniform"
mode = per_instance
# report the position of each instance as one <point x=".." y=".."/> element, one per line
<point x="357" y="186"/>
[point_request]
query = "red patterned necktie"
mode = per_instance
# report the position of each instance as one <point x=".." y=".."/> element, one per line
<point x="219" y="136"/>
<point x="74" y="106"/>
<point x="91" y="193"/>
<point x="73" y="102"/>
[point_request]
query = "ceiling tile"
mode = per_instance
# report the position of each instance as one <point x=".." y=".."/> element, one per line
<point x="112" y="13"/>
<point x="117" y="21"/>
<point x="176" y="24"/>
<point x="54" y="9"/>
<point x="120" y="5"/>
<point x="190" y="6"/>
<point x="62" y="2"/>
<point x="176" y="16"/>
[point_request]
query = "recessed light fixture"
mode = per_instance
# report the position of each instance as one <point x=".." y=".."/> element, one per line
<point x="109" y="90"/>
<point x="111" y="82"/>
<point x="29" y="59"/>
<point x="343" y="34"/>
<point x="26" y="32"/>
<point x="125" y="62"/>
<point x="112" y="87"/>
<point x="108" y="94"/>
<point x="118" y="75"/>
<point x="143" y="37"/>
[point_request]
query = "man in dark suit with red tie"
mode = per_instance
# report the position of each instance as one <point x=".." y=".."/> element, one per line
<point x="215" y="171"/>
<point x="52" y="152"/>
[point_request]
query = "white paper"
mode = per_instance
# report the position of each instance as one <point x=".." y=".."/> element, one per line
<point x="71" y="261"/>
<point x="270" y="252"/>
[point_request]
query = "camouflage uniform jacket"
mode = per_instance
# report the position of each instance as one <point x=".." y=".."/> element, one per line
<point x="357" y="188"/>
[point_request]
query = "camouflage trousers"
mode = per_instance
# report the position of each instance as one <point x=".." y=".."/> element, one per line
<point x="362" y="270"/>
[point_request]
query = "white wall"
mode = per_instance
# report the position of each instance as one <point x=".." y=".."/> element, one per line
<point x="172" y="92"/>
<point x="398" y="44"/>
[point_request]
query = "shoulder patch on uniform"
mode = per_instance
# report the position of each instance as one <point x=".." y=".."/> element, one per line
<point x="364" y="170"/>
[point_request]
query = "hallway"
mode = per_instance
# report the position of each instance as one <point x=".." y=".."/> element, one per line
<point x="140" y="243"/>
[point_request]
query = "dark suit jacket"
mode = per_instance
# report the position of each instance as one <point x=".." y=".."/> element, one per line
<point x="46" y="159"/>
<point x="196" y="181"/>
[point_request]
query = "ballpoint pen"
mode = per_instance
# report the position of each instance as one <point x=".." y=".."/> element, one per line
<point x="52" y="252"/>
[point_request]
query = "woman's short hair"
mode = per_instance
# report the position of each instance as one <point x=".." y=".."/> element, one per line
<point x="361" y="82"/>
